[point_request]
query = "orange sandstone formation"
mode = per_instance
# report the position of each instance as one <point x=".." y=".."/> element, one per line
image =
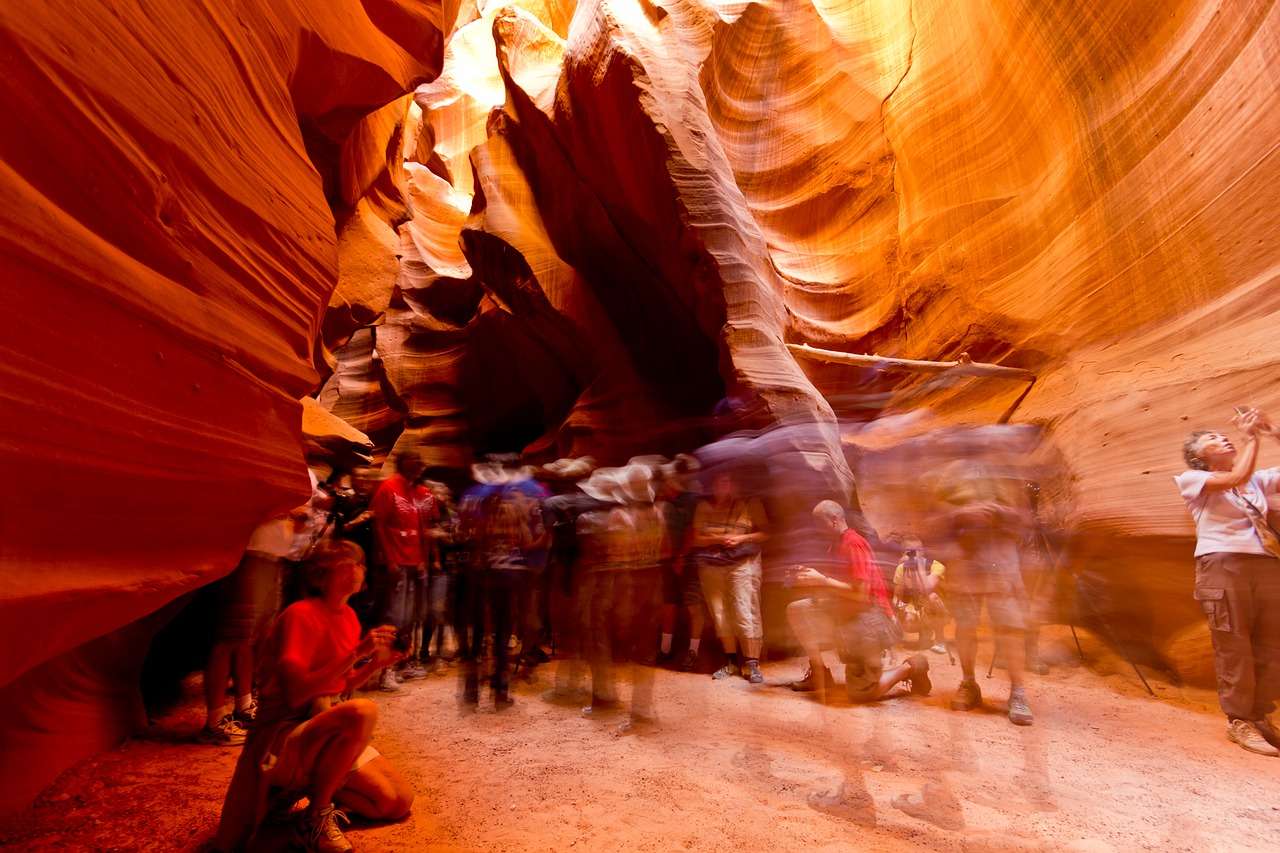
<point x="167" y="248"/>
<point x="598" y="221"/>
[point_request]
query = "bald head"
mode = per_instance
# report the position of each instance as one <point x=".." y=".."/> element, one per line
<point x="830" y="516"/>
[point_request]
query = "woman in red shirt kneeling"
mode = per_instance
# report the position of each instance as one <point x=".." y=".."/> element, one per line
<point x="307" y="741"/>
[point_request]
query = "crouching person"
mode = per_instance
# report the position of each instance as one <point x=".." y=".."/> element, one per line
<point x="847" y="606"/>
<point x="306" y="741"/>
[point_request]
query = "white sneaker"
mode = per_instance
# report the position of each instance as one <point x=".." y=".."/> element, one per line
<point x="387" y="681"/>
<point x="1247" y="735"/>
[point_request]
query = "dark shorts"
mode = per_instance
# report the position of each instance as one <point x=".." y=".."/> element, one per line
<point x="690" y="586"/>
<point x="247" y="599"/>
<point x="860" y="643"/>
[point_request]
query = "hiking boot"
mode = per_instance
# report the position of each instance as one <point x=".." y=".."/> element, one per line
<point x="690" y="661"/>
<point x="246" y="716"/>
<point x="968" y="696"/>
<point x="919" y="675"/>
<point x="321" y="833"/>
<point x="411" y="671"/>
<point x="1019" y="710"/>
<point x="753" y="673"/>
<point x="726" y="671"/>
<point x="807" y="683"/>
<point x="387" y="682"/>
<point x="225" y="732"/>
<point x="1247" y="735"/>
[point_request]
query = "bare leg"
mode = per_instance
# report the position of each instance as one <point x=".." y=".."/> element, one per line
<point x="243" y="673"/>
<point x="351" y="728"/>
<point x="215" y="682"/>
<point x="697" y="622"/>
<point x="377" y="791"/>
<point x="1013" y="647"/>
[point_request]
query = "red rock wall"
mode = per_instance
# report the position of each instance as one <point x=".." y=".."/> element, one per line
<point x="166" y="248"/>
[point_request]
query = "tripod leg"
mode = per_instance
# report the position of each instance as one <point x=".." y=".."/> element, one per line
<point x="1076" y="637"/>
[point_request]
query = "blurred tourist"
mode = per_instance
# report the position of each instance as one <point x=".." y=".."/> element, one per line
<point x="728" y="529"/>
<point x="403" y="511"/>
<point x="248" y="599"/>
<point x="677" y="500"/>
<point x="986" y="517"/>
<point x="845" y="604"/>
<point x="917" y="599"/>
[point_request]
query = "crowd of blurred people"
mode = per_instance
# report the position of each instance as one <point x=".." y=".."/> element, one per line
<point x="600" y="571"/>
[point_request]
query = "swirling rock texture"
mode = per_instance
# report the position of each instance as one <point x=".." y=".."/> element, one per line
<point x="1083" y="189"/>
<point x="600" y="221"/>
<point x="167" y="249"/>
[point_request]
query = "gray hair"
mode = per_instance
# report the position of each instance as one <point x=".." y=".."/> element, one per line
<point x="1190" y="453"/>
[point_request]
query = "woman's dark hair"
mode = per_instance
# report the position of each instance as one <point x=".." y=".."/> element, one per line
<point x="1189" y="450"/>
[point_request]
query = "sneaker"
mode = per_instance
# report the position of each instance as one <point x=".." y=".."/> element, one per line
<point x="690" y="661"/>
<point x="726" y="671"/>
<point x="226" y="732"/>
<point x="246" y="716"/>
<point x="321" y="833"/>
<point x="919" y="675"/>
<point x="1019" y="710"/>
<point x="412" y="671"/>
<point x="968" y="696"/>
<point x="753" y="673"/>
<point x="807" y="683"/>
<point x="1247" y="735"/>
<point x="938" y="648"/>
<point x="1038" y="667"/>
<point x="387" y="682"/>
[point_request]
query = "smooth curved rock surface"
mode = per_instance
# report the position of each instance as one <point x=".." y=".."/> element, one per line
<point x="167" y="248"/>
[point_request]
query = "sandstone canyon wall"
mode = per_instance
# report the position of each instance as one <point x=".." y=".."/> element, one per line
<point x="167" y="248"/>
<point x="1083" y="189"/>
<point x="600" y="220"/>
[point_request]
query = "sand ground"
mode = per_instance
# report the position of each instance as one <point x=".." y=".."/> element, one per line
<point x="733" y="766"/>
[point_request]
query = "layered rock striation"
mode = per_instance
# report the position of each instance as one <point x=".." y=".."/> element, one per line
<point x="169" y="176"/>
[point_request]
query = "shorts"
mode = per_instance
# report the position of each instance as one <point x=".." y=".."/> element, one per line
<point x="248" y="598"/>
<point x="1006" y="610"/>
<point x="690" y="586"/>
<point x="859" y="633"/>
<point x="733" y="596"/>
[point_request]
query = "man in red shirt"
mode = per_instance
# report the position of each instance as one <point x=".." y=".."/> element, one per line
<point x="847" y="605"/>
<point x="403" y="512"/>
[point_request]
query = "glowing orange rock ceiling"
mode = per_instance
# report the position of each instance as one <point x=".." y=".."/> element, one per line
<point x="597" y="221"/>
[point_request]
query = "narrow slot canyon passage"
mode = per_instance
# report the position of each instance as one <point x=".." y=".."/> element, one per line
<point x="639" y="425"/>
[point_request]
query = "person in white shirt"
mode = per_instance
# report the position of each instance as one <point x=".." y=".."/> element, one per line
<point x="1237" y="577"/>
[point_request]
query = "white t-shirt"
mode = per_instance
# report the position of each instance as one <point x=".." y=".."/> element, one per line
<point x="1221" y="525"/>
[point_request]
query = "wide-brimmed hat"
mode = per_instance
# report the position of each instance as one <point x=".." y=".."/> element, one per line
<point x="628" y="484"/>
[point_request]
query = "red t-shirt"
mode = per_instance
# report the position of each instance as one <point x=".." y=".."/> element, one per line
<point x="310" y="635"/>
<point x="863" y="569"/>
<point x="401" y="514"/>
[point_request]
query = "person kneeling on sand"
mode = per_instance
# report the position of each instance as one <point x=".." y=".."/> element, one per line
<point x="847" y="605"/>
<point x="306" y="741"/>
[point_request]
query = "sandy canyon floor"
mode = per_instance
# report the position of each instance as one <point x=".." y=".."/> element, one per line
<point x="739" y="767"/>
